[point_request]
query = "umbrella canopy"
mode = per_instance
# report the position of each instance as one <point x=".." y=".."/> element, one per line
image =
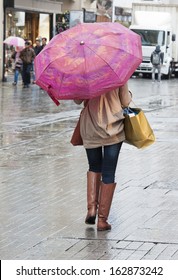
<point x="14" y="41"/>
<point x="88" y="60"/>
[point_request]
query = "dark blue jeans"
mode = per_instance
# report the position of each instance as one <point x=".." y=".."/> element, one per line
<point x="104" y="160"/>
<point x="26" y="73"/>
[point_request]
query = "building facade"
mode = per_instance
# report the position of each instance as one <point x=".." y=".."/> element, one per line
<point x="1" y="38"/>
<point x="45" y="18"/>
<point x="26" y="19"/>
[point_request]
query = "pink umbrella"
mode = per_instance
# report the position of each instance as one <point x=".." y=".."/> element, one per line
<point x="88" y="60"/>
<point x="14" y="41"/>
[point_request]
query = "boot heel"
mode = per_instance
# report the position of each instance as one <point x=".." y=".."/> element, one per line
<point x="103" y="228"/>
<point x="90" y="220"/>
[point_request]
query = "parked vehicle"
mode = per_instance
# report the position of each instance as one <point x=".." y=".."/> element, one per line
<point x="157" y="24"/>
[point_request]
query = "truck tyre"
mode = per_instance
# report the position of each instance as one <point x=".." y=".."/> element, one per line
<point x="169" y="74"/>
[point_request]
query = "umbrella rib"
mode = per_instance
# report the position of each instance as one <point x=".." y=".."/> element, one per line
<point x="103" y="60"/>
<point x="61" y="81"/>
<point x="85" y="68"/>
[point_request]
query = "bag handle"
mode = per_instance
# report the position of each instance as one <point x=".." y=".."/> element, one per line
<point x="132" y="100"/>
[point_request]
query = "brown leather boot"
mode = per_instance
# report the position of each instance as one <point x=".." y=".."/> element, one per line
<point x="93" y="186"/>
<point x="106" y="195"/>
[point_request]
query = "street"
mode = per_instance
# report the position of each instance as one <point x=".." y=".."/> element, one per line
<point x="43" y="181"/>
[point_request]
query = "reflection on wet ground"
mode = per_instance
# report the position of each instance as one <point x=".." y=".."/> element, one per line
<point x="30" y="113"/>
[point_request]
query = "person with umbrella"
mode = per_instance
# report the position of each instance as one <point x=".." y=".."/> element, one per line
<point x="19" y="44"/>
<point x="94" y="61"/>
<point x="18" y="64"/>
<point x="102" y="132"/>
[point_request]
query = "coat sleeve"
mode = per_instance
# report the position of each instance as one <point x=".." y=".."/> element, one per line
<point x="125" y="96"/>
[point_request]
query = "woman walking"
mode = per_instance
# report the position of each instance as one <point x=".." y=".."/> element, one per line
<point x="102" y="132"/>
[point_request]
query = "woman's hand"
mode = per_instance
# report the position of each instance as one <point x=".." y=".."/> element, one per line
<point x="78" y="101"/>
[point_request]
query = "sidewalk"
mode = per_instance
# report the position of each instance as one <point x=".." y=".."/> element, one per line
<point x="43" y="181"/>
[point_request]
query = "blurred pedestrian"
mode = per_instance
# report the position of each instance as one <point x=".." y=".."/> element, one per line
<point x="102" y="132"/>
<point x="18" y="64"/>
<point x="157" y="58"/>
<point x="44" y="42"/>
<point x="37" y="48"/>
<point x="27" y="56"/>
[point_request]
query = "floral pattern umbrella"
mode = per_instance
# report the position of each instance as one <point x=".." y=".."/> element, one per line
<point x="88" y="60"/>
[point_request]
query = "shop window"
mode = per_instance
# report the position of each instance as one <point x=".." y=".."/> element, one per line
<point x="62" y="22"/>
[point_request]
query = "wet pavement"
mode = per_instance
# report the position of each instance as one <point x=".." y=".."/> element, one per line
<point x="43" y="181"/>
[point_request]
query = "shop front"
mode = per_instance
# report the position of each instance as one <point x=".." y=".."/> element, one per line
<point x="26" y="24"/>
<point x="29" y="20"/>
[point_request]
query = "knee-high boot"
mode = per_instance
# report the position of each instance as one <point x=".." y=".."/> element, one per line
<point x="93" y="186"/>
<point x="105" y="200"/>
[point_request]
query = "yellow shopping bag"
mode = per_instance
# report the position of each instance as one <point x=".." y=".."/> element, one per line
<point x="138" y="131"/>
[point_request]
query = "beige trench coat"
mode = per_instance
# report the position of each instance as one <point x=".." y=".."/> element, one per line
<point x="102" y="119"/>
